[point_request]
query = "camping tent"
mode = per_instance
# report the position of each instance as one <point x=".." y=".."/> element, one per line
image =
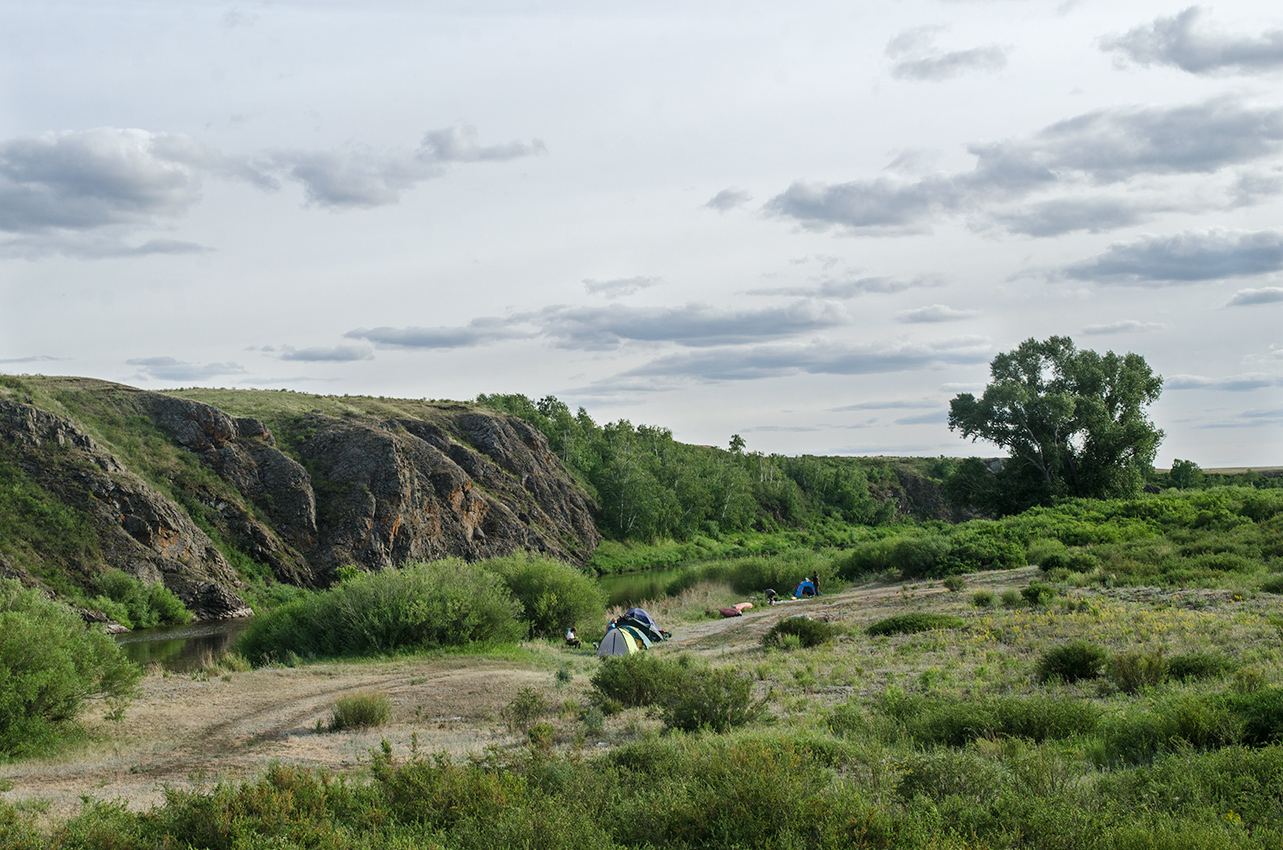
<point x="639" y="635"/>
<point x="641" y="623"/>
<point x="805" y="588"/>
<point x="618" y="642"/>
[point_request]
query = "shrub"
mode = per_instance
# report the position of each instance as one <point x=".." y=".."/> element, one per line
<point x="982" y="599"/>
<point x="930" y="720"/>
<point x="637" y="679"/>
<point x="363" y="710"/>
<point x="1196" y="665"/>
<point x="1072" y="662"/>
<point x="553" y="595"/>
<point x="716" y="699"/>
<point x="1131" y="671"/>
<point x="443" y="603"/>
<point x="807" y="631"/>
<point x="953" y="584"/>
<point x="526" y="707"/>
<point x="1273" y="584"/>
<point x="137" y="605"/>
<point x="1011" y="598"/>
<point x="904" y="624"/>
<point x="1038" y="594"/>
<point x="49" y="665"/>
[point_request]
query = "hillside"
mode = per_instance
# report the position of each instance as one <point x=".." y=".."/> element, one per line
<point x="209" y="492"/>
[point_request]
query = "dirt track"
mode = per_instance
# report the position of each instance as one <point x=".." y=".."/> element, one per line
<point x="186" y="733"/>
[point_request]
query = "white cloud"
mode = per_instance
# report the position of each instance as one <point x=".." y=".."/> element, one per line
<point x="917" y="58"/>
<point x="172" y="369"/>
<point x="1124" y="326"/>
<point x="1264" y="295"/>
<point x="934" y="313"/>
<point x="618" y="287"/>
<point x="728" y="199"/>
<point x="1182" y="42"/>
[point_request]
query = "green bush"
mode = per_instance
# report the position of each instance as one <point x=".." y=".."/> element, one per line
<point x="363" y="710"/>
<point x="443" y="603"/>
<point x="716" y="699"/>
<point x="1197" y="665"/>
<point x="50" y="663"/>
<point x="930" y="720"/>
<point x="904" y="624"/>
<point x="1011" y="598"/>
<point x="1072" y="662"/>
<point x="524" y="709"/>
<point x="982" y="599"/>
<point x="640" y="678"/>
<point x="1273" y="584"/>
<point x="807" y="631"/>
<point x="137" y="605"/>
<point x="553" y="595"/>
<point x="1131" y="671"/>
<point x="954" y="584"/>
<point x="1038" y="594"/>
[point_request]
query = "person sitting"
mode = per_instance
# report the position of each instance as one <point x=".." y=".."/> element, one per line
<point x="571" y="638"/>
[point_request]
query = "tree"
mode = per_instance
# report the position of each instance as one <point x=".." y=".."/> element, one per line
<point x="1073" y="421"/>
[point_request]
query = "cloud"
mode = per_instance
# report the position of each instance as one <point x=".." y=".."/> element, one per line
<point x="1124" y="326"/>
<point x="934" y="313"/>
<point x="1179" y="41"/>
<point x="1105" y="147"/>
<point x="170" y="369"/>
<point x="334" y="354"/>
<point x="1232" y="383"/>
<point x="898" y="404"/>
<point x="1067" y="215"/>
<point x="819" y="357"/>
<point x="359" y="177"/>
<point x="728" y="199"/>
<point x="1265" y="295"/>
<point x="618" y="287"/>
<point x="934" y="417"/>
<point x="482" y="331"/>
<point x="1190" y="257"/>
<point x="853" y="287"/>
<point x="56" y="187"/>
<point x="604" y="328"/>
<point x="39" y="358"/>
<point x="916" y="57"/>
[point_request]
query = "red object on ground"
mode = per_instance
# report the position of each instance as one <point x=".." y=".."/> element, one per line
<point x="731" y="612"/>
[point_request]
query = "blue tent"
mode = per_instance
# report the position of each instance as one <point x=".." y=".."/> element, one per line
<point x="804" y="589"/>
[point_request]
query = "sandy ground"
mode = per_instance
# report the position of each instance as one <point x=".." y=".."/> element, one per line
<point x="185" y="732"/>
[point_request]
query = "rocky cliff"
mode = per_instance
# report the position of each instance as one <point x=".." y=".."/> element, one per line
<point x="202" y="498"/>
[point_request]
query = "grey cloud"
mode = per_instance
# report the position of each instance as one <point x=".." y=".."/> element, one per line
<point x="934" y="313"/>
<point x="333" y="354"/>
<point x="618" y="287"/>
<point x="1232" y="383"/>
<point x="604" y="328"/>
<point x="1187" y="257"/>
<point x="917" y="58"/>
<point x="898" y="404"/>
<point x="934" y="417"/>
<point x="1104" y="147"/>
<point x="691" y="325"/>
<point x="1067" y="215"/>
<point x="1124" y="326"/>
<point x="483" y="331"/>
<point x="853" y="287"/>
<point x="170" y="369"/>
<point x="1265" y="295"/>
<point x="92" y="246"/>
<point x="748" y="363"/>
<point x="1179" y="41"/>
<point x="728" y="199"/>
<point x="39" y="358"/>
<point x="363" y="177"/>
<point x="1254" y="187"/>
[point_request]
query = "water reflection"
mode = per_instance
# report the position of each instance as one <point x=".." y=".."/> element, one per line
<point x="180" y="648"/>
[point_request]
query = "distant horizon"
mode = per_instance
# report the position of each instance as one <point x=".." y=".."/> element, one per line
<point x="812" y="224"/>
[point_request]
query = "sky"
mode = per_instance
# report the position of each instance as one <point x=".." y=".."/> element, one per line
<point x="811" y="224"/>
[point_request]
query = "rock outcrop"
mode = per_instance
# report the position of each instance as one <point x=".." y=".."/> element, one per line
<point x="207" y="499"/>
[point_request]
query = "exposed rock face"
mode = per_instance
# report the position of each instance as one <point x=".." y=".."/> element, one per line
<point x="140" y="530"/>
<point x="369" y="492"/>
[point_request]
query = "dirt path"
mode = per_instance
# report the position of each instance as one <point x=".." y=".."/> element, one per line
<point x="190" y="733"/>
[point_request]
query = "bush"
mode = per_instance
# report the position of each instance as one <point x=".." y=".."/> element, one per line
<point x="526" y="707"/>
<point x="50" y="663"/>
<point x="1197" y="665"/>
<point x="1273" y="584"/>
<point x="716" y="699"/>
<point x="947" y="721"/>
<point x="954" y="584"/>
<point x="360" y="711"/>
<point x="637" y="679"/>
<point x="808" y="632"/>
<point x="982" y="599"/>
<point x="137" y="605"/>
<point x="443" y="603"/>
<point x="1131" y="671"/>
<point x="553" y="595"/>
<point x="1038" y="594"/>
<point x="1011" y="598"/>
<point x="1072" y="662"/>
<point x="904" y="624"/>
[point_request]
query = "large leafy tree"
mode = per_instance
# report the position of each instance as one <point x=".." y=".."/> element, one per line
<point x="1074" y="422"/>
